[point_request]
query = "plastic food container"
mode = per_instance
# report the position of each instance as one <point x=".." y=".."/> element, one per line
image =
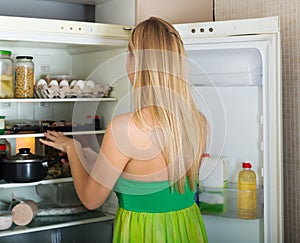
<point x="6" y="75"/>
<point x="61" y="194"/>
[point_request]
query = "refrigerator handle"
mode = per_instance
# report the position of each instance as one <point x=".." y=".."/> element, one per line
<point x="128" y="28"/>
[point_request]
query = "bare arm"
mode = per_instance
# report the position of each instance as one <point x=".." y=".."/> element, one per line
<point x="93" y="182"/>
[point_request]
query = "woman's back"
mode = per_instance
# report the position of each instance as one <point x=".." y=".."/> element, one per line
<point x="145" y="147"/>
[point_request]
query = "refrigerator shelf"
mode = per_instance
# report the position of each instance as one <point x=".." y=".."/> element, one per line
<point x="41" y="223"/>
<point x="44" y="100"/>
<point x="5" y="185"/>
<point x="223" y="202"/>
<point x="39" y="135"/>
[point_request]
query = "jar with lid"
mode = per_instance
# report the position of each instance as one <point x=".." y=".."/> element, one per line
<point x="6" y="75"/>
<point x="24" y="77"/>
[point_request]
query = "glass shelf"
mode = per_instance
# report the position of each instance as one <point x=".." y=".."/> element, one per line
<point x="37" y="100"/>
<point x="39" y="135"/>
<point x="223" y="201"/>
<point x="40" y="223"/>
<point x="4" y="184"/>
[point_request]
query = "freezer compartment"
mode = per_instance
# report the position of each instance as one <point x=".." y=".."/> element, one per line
<point x="223" y="202"/>
<point x="225" y="67"/>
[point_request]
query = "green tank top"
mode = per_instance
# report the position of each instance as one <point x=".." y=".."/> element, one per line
<point x="152" y="197"/>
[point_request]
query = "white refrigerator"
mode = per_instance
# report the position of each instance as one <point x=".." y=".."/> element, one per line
<point x="235" y="71"/>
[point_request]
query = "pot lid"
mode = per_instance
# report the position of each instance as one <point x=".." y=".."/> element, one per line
<point x="24" y="156"/>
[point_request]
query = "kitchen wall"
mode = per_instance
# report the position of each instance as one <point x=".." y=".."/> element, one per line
<point x="290" y="24"/>
<point x="48" y="9"/>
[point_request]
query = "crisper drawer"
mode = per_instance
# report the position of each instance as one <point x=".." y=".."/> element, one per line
<point x="233" y="230"/>
<point x="91" y="232"/>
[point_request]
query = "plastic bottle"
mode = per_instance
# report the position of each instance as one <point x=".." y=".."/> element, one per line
<point x="96" y="122"/>
<point x="247" y="206"/>
<point x="2" y="124"/>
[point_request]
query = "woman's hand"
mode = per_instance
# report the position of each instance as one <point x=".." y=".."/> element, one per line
<point x="57" y="140"/>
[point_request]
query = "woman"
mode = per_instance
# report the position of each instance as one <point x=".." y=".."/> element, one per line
<point x="149" y="157"/>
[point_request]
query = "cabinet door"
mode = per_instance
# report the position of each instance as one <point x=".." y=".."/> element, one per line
<point x="187" y="11"/>
<point x="131" y="12"/>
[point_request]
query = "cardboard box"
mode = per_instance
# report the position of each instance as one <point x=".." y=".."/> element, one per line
<point x="213" y="178"/>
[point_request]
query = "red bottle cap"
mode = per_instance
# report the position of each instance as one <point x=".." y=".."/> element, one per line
<point x="246" y="165"/>
<point x="206" y="155"/>
<point x="96" y="117"/>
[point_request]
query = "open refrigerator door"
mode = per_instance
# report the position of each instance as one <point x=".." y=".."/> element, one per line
<point x="234" y="69"/>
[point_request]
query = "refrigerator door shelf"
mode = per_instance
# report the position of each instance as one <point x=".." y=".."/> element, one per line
<point x="223" y="202"/>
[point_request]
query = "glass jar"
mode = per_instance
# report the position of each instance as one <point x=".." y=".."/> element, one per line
<point x="6" y="75"/>
<point x="24" y="77"/>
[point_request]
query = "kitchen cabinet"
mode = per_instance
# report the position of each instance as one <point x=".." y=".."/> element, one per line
<point x="67" y="10"/>
<point x="132" y="12"/>
<point x="89" y="51"/>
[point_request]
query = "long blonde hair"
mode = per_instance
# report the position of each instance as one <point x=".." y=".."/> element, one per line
<point x="160" y="84"/>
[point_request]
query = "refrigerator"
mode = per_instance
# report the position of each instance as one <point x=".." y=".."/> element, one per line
<point x="235" y="73"/>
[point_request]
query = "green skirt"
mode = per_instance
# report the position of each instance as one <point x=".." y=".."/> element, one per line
<point x="185" y="226"/>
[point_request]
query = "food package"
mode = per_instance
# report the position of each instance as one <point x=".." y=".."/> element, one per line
<point x="213" y="177"/>
<point x="24" y="212"/>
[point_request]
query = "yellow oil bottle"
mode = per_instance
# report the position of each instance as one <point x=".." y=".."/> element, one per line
<point x="247" y="193"/>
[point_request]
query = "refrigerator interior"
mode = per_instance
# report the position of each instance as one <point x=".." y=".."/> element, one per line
<point x="85" y="62"/>
<point x="229" y="85"/>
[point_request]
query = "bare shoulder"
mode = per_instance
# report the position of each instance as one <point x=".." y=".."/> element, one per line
<point x="120" y="127"/>
<point x="123" y="121"/>
<point x="122" y="133"/>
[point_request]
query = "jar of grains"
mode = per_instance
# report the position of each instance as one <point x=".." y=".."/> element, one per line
<point x="6" y="75"/>
<point x="24" y="77"/>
